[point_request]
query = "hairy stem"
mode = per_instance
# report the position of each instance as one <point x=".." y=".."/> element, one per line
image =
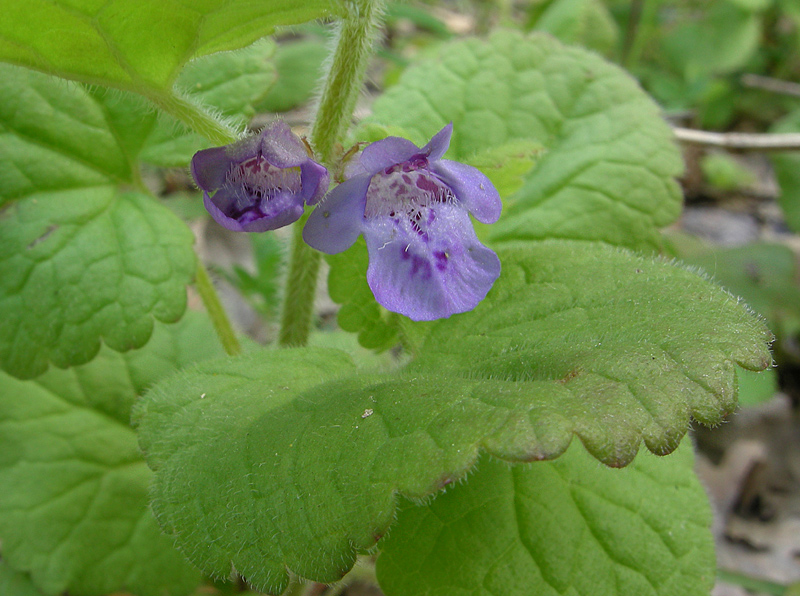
<point x="355" y="37"/>
<point x="202" y="122"/>
<point x="216" y="313"/>
<point x="196" y="118"/>
<point x="301" y="286"/>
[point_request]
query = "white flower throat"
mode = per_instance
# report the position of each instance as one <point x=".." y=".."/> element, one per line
<point x="405" y="190"/>
<point x="259" y="180"/>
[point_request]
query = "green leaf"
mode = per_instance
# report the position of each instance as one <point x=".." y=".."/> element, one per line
<point x="563" y="527"/>
<point x="723" y="172"/>
<point x="59" y="136"/>
<point x="74" y="508"/>
<point x="506" y="165"/>
<point x="360" y="313"/>
<point x="232" y="81"/>
<point x="787" y="170"/>
<point x="80" y="261"/>
<point x="646" y="343"/>
<point x="721" y="42"/>
<point x="78" y="268"/>
<point x="584" y="22"/>
<point x="14" y="583"/>
<point x="138" y="46"/>
<point x="608" y="173"/>
<point x="299" y="458"/>
<point x="756" y="387"/>
<point x="233" y="456"/>
<point x="299" y="67"/>
<point x="363" y="358"/>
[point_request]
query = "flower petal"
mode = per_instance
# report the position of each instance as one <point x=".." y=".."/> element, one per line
<point x="314" y="180"/>
<point x="387" y="152"/>
<point x="433" y="275"/>
<point x="336" y="222"/>
<point x="251" y="215"/>
<point x="281" y="147"/>
<point x="439" y="144"/>
<point x="210" y="166"/>
<point x="219" y="216"/>
<point x="353" y="167"/>
<point x="472" y="189"/>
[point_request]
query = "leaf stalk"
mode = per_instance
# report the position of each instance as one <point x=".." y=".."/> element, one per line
<point x="196" y="118"/>
<point x="216" y="313"/>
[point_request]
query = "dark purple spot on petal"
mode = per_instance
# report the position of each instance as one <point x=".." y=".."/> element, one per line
<point x="441" y="260"/>
<point x="419" y="266"/>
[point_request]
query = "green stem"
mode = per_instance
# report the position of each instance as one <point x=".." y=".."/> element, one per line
<point x="355" y="37"/>
<point x="216" y="313"/>
<point x="219" y="132"/>
<point x="639" y="31"/>
<point x="354" y="45"/>
<point x="196" y="118"/>
<point x="301" y="287"/>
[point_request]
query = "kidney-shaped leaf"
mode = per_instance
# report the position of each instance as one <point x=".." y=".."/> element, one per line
<point x="287" y="460"/>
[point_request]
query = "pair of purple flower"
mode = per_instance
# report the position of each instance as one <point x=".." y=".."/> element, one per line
<point x="411" y="205"/>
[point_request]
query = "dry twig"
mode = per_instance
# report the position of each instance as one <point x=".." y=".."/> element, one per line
<point x="770" y="84"/>
<point x="740" y="140"/>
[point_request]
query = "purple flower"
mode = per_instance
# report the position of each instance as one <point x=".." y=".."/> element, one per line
<point x="413" y="208"/>
<point x="259" y="183"/>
